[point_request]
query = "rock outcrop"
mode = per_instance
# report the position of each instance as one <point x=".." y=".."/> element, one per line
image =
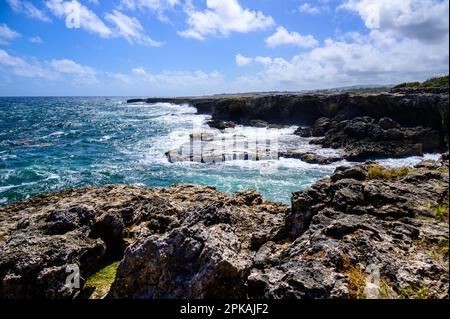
<point x="183" y="241"/>
<point x="402" y="123"/>
<point x="365" y="232"/>
<point x="362" y="234"/>
<point x="365" y="137"/>
<point x="426" y="109"/>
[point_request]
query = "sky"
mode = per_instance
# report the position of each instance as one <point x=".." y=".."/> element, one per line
<point x="195" y="47"/>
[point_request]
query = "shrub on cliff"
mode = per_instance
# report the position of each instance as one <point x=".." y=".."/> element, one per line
<point x="436" y="82"/>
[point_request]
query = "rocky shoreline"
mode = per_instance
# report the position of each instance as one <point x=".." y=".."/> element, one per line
<point x="365" y="232"/>
<point x="404" y="122"/>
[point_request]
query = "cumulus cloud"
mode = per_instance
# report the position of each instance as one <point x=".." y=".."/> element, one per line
<point x="120" y="25"/>
<point x="87" y="19"/>
<point x="23" y="68"/>
<point x="242" y="60"/>
<point x="7" y="34"/>
<point x="424" y="20"/>
<point x="407" y="40"/>
<point x="71" y="67"/>
<point x="373" y="59"/>
<point x="136" y="81"/>
<point x="64" y="70"/>
<point x="221" y="18"/>
<point x="130" y="29"/>
<point x="79" y="74"/>
<point x="28" y="9"/>
<point x="284" y="37"/>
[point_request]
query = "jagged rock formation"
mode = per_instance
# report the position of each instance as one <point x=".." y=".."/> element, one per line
<point x="365" y="137"/>
<point x="364" y="232"/>
<point x="355" y="235"/>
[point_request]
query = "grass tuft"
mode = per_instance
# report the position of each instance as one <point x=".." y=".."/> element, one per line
<point x="356" y="279"/>
<point x="415" y="292"/>
<point x="440" y="211"/>
<point x="99" y="283"/>
<point x="379" y="172"/>
<point x="386" y="291"/>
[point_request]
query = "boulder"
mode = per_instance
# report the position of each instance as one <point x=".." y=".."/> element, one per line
<point x="221" y="125"/>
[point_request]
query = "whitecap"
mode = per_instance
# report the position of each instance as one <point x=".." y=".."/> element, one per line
<point x="408" y="161"/>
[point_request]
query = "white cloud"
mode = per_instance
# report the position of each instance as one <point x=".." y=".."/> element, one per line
<point x="72" y="75"/>
<point x="21" y="67"/>
<point x="263" y="60"/>
<point x="28" y="9"/>
<point x="7" y="34"/>
<point x="79" y="74"/>
<point x="407" y="40"/>
<point x="64" y="70"/>
<point x="177" y="78"/>
<point x="130" y="29"/>
<point x="242" y="60"/>
<point x="122" y="26"/>
<point x="88" y="19"/>
<point x="71" y="67"/>
<point x="223" y="17"/>
<point x="425" y="20"/>
<point x="36" y="40"/>
<point x="284" y="37"/>
<point x="310" y="9"/>
<point x="246" y="61"/>
<point x="373" y="59"/>
<point x="157" y="6"/>
<point x="143" y="82"/>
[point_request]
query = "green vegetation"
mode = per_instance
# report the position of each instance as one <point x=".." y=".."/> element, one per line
<point x="437" y="249"/>
<point x="408" y="85"/>
<point x="440" y="250"/>
<point x="414" y="292"/>
<point x="436" y="82"/>
<point x="385" y="291"/>
<point x="440" y="211"/>
<point x="379" y="172"/>
<point x="98" y="284"/>
<point x="356" y="279"/>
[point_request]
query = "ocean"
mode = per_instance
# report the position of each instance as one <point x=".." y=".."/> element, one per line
<point x="53" y="143"/>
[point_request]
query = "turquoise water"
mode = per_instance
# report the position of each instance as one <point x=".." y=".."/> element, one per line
<point x="49" y="144"/>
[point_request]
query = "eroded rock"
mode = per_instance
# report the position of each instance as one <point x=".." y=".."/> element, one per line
<point x="365" y="232"/>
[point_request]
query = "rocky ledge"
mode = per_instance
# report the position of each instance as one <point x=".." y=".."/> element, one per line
<point x="365" y="232"/>
<point x="364" y="138"/>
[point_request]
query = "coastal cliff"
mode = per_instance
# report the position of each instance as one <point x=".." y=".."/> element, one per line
<point x="408" y="109"/>
<point x="365" y="125"/>
<point x="365" y="232"/>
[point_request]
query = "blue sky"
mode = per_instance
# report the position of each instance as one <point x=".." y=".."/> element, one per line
<point x="191" y="47"/>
